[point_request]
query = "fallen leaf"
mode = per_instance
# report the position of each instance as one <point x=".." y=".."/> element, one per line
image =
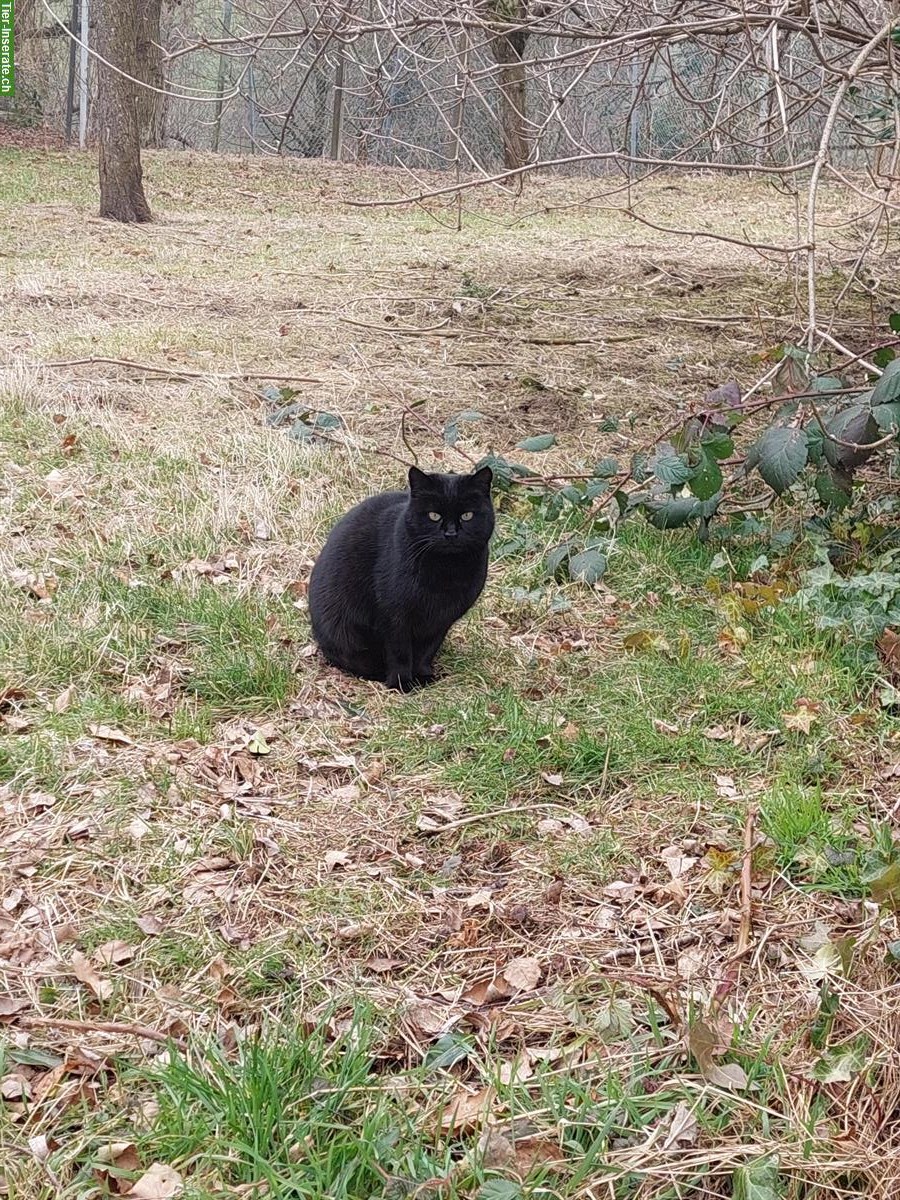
<point x="150" y="925"/>
<point x="107" y="733"/>
<point x="160" y="1182"/>
<point x="665" y="727"/>
<point x="730" y="1076"/>
<point x="438" y="812"/>
<point x="9" y="1007"/>
<point x="800" y="721"/>
<point x="137" y="829"/>
<point x="523" y="974"/>
<point x="63" y="701"/>
<point x="14" y="1087"/>
<point x="39" y="1147"/>
<point x="114" y="952"/>
<point x="717" y="733"/>
<point x="336" y="858"/>
<point x="380" y="965"/>
<point x="467" y="1110"/>
<point x="683" y="1127"/>
<point x="83" y="971"/>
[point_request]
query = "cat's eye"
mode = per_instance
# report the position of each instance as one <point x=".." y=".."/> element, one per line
<point x="434" y="516"/>
<point x="466" y="516"/>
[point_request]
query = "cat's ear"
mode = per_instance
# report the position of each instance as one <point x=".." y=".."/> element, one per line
<point x="483" y="479"/>
<point x="417" y="480"/>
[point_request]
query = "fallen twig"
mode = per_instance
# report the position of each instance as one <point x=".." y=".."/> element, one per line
<point x="139" y="1031"/>
<point x="172" y="372"/>
<point x="746" y="928"/>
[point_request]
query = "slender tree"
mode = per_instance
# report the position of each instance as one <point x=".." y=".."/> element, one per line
<point x="119" y="25"/>
<point x="508" y="47"/>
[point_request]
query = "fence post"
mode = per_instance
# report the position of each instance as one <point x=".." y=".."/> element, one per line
<point x="70" y="82"/>
<point x="84" y="69"/>
<point x="337" y="108"/>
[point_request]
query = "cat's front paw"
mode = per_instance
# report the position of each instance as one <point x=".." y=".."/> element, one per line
<point x="424" y="678"/>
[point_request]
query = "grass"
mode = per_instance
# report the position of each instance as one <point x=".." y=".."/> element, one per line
<point x="242" y="843"/>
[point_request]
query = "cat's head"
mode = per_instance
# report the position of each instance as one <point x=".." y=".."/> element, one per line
<point x="454" y="512"/>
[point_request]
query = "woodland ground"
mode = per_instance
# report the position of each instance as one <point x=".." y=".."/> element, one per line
<point x="483" y="940"/>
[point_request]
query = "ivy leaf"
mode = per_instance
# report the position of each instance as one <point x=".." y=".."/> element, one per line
<point x="588" y="566"/>
<point x="883" y="355"/>
<point x="451" y="429"/>
<point x="841" y="1064"/>
<point x="327" y="420"/>
<point x="894" y="322"/>
<point x="669" y="467"/>
<point x="707" y="477"/>
<point x="885" y="889"/>
<point x="757" y="1180"/>
<point x="782" y="455"/>
<point x="887" y="389"/>
<point x="535" y="445"/>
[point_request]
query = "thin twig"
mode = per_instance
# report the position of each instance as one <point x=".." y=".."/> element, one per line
<point x="139" y="1031"/>
<point x="746" y="929"/>
<point x="173" y="372"/>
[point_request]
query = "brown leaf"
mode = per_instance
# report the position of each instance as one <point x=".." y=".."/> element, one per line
<point x="431" y="1018"/>
<point x="9" y="1007"/>
<point x="137" y="828"/>
<point x="382" y="965"/>
<point x="150" y="924"/>
<point x="438" y="812"/>
<point x="336" y="858"/>
<point x="106" y="733"/>
<point x="86" y="973"/>
<point x="553" y="780"/>
<point x="160" y="1182"/>
<point x="523" y="974"/>
<point x="63" y="701"/>
<point x="467" y="1110"/>
<point x="14" y="1087"/>
<point x="112" y="953"/>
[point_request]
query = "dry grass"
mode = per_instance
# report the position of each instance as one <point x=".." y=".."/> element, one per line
<point x="207" y="832"/>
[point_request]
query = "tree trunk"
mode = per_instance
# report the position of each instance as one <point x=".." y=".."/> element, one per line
<point x="151" y="109"/>
<point x="508" y="50"/>
<point x="121" y="185"/>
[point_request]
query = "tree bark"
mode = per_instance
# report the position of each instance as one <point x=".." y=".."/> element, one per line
<point x="121" y="179"/>
<point x="508" y="49"/>
<point x="151" y="108"/>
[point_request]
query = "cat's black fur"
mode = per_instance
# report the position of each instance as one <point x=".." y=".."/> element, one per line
<point x="390" y="581"/>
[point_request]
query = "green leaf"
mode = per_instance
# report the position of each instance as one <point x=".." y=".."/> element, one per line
<point x="447" y="1050"/>
<point x="782" y="456"/>
<point x="885" y="890"/>
<point x="588" y="566"/>
<point x="883" y="355"/>
<point x="534" y="445"/>
<point x="451" y="429"/>
<point x="757" y="1180"/>
<point x="834" y="488"/>
<point x="841" y="1064"/>
<point x="555" y="558"/>
<point x="855" y="424"/>
<point x="672" y="513"/>
<point x="327" y="420"/>
<point x="500" y="1189"/>
<point x="720" y="446"/>
<point x="887" y="389"/>
<point x="887" y="417"/>
<point x="606" y="468"/>
<point x="894" y="322"/>
<point x="670" y="468"/>
<point x="707" y="477"/>
<point x="827" y="383"/>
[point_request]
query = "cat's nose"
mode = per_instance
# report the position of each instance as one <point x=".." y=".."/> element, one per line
<point x="450" y="532"/>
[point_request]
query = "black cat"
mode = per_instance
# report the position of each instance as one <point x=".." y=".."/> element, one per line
<point x="397" y="571"/>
